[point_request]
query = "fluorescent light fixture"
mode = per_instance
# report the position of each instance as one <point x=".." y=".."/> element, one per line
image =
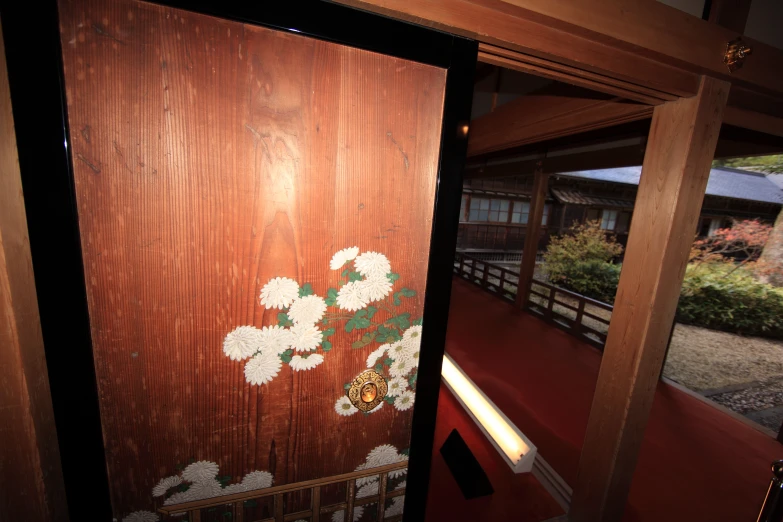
<point x="516" y="449"/>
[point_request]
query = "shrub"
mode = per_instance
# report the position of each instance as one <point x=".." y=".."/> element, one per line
<point x="722" y="297"/>
<point x="581" y="259"/>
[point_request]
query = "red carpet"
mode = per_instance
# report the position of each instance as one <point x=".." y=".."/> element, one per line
<point x="696" y="464"/>
<point x="517" y="497"/>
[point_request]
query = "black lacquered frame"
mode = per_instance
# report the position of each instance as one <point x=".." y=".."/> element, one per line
<point x="34" y="61"/>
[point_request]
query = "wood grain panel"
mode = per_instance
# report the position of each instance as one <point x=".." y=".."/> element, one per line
<point x="31" y="481"/>
<point x="211" y="156"/>
<point x="680" y="149"/>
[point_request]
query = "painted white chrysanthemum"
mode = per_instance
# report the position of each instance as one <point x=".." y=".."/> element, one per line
<point x="397" y="385"/>
<point x="141" y="516"/>
<point x="258" y="480"/>
<point x="241" y="342"/>
<point x="396" y="507"/>
<point x="404" y="401"/>
<point x="305" y="337"/>
<point x="398" y="351"/>
<point x="382" y="456"/>
<point x="372" y="264"/>
<point x="338" y="516"/>
<point x="279" y="292"/>
<point x="401" y="485"/>
<point x="367" y="490"/>
<point x="274" y="339"/>
<point x="166" y="484"/>
<point x="308" y="362"/>
<point x="376" y="354"/>
<point x="307" y="310"/>
<point x="178" y="498"/>
<point x="205" y="489"/>
<point x="344" y="407"/>
<point x="342" y="257"/>
<point x="234" y="488"/>
<point x="401" y="367"/>
<point x="399" y="472"/>
<point x="364" y="480"/>
<point x="350" y="297"/>
<point x="413" y="356"/>
<point x="375" y="288"/>
<point x="200" y="471"/>
<point x="262" y="368"/>
<point x="412" y="335"/>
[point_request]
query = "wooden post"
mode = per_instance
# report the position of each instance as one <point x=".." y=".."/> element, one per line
<point x="676" y="166"/>
<point x="532" y="233"/>
<point x="29" y="455"/>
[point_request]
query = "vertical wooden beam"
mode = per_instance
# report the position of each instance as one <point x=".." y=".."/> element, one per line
<point x="532" y="233"/>
<point x="30" y="471"/>
<point x="676" y="166"/>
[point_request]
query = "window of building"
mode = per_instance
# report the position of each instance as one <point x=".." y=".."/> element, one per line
<point x="623" y="221"/>
<point x="463" y="208"/>
<point x="479" y="209"/>
<point x="498" y="210"/>
<point x="608" y="219"/>
<point x="520" y="212"/>
<point x="715" y="225"/>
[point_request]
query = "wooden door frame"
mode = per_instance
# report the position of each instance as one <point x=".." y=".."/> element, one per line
<point x="38" y="95"/>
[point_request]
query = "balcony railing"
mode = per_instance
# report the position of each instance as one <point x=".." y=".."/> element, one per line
<point x="315" y="513"/>
<point x="578" y="315"/>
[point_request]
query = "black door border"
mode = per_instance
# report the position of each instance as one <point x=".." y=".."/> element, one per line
<point x="33" y="52"/>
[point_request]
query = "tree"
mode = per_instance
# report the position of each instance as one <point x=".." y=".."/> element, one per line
<point x="770" y="265"/>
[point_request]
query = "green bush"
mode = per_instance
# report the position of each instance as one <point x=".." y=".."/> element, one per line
<point x="580" y="261"/>
<point x="722" y="297"/>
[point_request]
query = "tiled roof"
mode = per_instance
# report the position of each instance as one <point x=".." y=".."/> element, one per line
<point x="574" y="197"/>
<point x="723" y="182"/>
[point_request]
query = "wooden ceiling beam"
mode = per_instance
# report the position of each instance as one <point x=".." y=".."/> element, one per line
<point x="647" y="43"/>
<point x="544" y="116"/>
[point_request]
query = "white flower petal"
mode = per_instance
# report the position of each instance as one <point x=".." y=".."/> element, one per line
<point x="262" y="368"/>
<point x="397" y="505"/>
<point x="412" y="335"/>
<point x="342" y="257"/>
<point x="350" y="297"/>
<point x="344" y="407"/>
<point x="307" y="310"/>
<point x="234" y="488"/>
<point x="200" y="471"/>
<point x="275" y="339"/>
<point x="141" y="516"/>
<point x="398" y="351"/>
<point x="279" y="293"/>
<point x="375" y="355"/>
<point x="241" y="342"/>
<point x="258" y="480"/>
<point x="166" y="484"/>
<point x="382" y="456"/>
<point x="405" y="400"/>
<point x="178" y="498"/>
<point x="401" y="368"/>
<point x="308" y="362"/>
<point x="372" y="264"/>
<point x="375" y="288"/>
<point x="338" y="516"/>
<point x="305" y="337"/>
<point x="205" y="489"/>
<point x="368" y="490"/>
<point x="397" y="385"/>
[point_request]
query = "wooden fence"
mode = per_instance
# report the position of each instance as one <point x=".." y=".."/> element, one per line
<point x="578" y="315"/>
<point x="316" y="512"/>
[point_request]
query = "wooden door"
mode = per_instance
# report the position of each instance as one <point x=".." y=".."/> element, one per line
<point x="255" y="210"/>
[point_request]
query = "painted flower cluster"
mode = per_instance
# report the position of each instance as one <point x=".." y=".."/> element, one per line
<point x="368" y="486"/>
<point x="200" y="480"/>
<point x="398" y="362"/>
<point x="305" y="323"/>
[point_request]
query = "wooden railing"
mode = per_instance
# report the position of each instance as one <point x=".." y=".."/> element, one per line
<point x="236" y="501"/>
<point x="578" y="315"/>
<point x="493" y="278"/>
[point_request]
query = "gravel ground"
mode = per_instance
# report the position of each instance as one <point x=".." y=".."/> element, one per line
<point x="702" y="359"/>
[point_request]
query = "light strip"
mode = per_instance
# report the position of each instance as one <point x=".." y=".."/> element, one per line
<point x="518" y="451"/>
